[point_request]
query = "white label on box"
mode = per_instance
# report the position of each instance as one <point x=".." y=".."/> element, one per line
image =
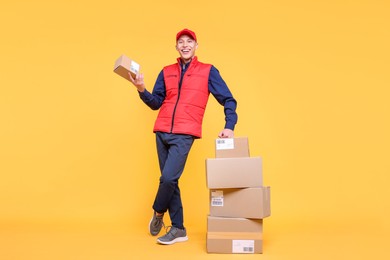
<point x="243" y="246"/>
<point x="134" y="67"/>
<point x="224" y="143"/>
<point x="217" y="198"/>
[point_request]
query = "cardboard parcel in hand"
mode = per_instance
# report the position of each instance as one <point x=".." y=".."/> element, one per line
<point x="124" y="65"/>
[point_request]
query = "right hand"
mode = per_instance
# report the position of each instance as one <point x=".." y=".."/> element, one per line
<point x="138" y="81"/>
<point x="226" y="133"/>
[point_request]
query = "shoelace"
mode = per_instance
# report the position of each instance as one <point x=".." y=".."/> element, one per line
<point x="160" y="220"/>
<point x="167" y="229"/>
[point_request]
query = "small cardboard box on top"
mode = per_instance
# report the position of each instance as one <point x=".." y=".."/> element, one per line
<point x="234" y="235"/>
<point x="241" y="203"/>
<point x="240" y="172"/>
<point x="231" y="147"/>
<point x="124" y="65"/>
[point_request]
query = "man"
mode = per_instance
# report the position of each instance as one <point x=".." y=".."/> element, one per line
<point x="181" y="93"/>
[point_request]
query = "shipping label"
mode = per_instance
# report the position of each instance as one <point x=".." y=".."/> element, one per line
<point x="243" y="246"/>
<point x="134" y="67"/>
<point x="217" y="198"/>
<point x="224" y="143"/>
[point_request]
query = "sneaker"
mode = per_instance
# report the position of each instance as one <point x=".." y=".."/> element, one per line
<point x="156" y="224"/>
<point x="174" y="235"/>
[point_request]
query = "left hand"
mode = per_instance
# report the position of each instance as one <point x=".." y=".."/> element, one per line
<point x="226" y="133"/>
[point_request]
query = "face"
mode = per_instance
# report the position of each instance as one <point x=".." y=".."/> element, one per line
<point x="186" y="47"/>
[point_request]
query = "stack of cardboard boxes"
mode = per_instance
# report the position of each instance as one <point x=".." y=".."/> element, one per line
<point x="238" y="199"/>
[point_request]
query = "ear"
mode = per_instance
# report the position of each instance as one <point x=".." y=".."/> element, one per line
<point x="196" y="46"/>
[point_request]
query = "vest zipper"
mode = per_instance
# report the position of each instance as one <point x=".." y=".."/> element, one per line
<point x="182" y="72"/>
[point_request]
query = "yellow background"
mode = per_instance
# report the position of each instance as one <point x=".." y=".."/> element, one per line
<point x="77" y="152"/>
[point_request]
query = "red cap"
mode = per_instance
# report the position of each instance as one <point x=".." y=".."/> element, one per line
<point x="186" y="32"/>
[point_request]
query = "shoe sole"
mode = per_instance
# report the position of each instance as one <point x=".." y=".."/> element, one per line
<point x="178" y="239"/>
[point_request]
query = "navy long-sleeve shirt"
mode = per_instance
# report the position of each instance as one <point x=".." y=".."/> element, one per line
<point x="217" y="88"/>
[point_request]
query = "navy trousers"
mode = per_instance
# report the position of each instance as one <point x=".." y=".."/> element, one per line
<point x="172" y="152"/>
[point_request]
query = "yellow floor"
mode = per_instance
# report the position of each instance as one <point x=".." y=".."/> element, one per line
<point x="281" y="241"/>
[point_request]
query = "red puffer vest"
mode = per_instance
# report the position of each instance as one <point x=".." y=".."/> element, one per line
<point x="183" y="108"/>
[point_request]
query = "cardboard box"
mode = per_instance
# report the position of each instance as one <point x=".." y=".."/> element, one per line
<point x="234" y="235"/>
<point x="223" y="224"/>
<point x="231" y="147"/>
<point x="124" y="65"/>
<point x="234" y="172"/>
<point x="234" y="242"/>
<point x="241" y="203"/>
